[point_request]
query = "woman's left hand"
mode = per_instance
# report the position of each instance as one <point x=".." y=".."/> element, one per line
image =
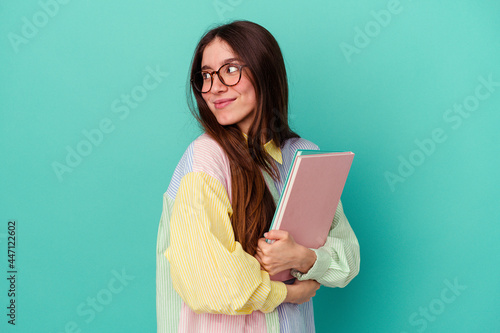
<point x="283" y="254"/>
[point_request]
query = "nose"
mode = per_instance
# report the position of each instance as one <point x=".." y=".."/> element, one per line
<point x="217" y="85"/>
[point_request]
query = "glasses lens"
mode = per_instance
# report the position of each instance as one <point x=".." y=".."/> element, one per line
<point x="230" y="74"/>
<point x="202" y="81"/>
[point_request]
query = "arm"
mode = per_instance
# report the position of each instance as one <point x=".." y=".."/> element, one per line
<point x="338" y="260"/>
<point x="333" y="265"/>
<point x="209" y="270"/>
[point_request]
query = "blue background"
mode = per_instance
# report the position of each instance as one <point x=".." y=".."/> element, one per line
<point x="434" y="226"/>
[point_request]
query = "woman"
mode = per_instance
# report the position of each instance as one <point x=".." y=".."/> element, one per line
<point x="213" y="264"/>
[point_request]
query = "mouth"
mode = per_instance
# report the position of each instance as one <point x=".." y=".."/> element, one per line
<point x="222" y="103"/>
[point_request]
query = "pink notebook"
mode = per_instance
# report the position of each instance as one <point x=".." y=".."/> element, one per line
<point x="310" y="197"/>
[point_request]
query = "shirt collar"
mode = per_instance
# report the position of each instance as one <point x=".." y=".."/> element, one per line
<point x="272" y="150"/>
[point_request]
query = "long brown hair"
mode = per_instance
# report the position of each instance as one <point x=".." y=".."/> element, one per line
<point x="252" y="202"/>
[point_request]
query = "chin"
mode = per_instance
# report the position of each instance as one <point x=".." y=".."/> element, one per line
<point x="225" y="122"/>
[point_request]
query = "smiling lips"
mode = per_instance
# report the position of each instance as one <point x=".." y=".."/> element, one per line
<point x="222" y="103"/>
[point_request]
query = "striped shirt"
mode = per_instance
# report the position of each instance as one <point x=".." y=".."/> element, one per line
<point x="205" y="281"/>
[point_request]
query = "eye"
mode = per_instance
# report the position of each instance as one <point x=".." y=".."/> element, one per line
<point x="205" y="75"/>
<point x="232" y="69"/>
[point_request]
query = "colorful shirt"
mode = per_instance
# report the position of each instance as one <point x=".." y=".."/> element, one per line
<point x="205" y="281"/>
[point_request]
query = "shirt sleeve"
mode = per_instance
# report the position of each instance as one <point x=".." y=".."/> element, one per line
<point x="337" y="262"/>
<point x="210" y="270"/>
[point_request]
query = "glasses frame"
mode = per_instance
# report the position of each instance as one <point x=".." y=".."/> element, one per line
<point x="218" y="75"/>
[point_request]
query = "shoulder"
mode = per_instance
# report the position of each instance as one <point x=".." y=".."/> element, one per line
<point x="203" y="154"/>
<point x="206" y="146"/>
<point x="294" y="144"/>
<point x="209" y="157"/>
<point x="290" y="146"/>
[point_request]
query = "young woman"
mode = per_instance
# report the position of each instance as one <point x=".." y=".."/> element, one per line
<point x="213" y="264"/>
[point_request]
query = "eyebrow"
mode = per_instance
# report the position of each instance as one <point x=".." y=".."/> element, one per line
<point x="224" y="62"/>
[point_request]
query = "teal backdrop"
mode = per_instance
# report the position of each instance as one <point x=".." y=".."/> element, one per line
<point x="94" y="120"/>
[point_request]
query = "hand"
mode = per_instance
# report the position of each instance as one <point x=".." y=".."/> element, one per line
<point x="301" y="291"/>
<point x="283" y="254"/>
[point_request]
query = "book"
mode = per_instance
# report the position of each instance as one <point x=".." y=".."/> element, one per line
<point x="310" y="197"/>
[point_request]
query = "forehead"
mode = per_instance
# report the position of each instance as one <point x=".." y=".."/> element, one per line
<point x="216" y="54"/>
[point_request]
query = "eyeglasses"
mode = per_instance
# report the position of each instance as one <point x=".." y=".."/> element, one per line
<point x="229" y="75"/>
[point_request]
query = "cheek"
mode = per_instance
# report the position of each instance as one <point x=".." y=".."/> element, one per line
<point x="205" y="97"/>
<point x="252" y="99"/>
<point x="248" y="92"/>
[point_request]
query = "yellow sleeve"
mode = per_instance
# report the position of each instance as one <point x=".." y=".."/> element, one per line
<point x="210" y="270"/>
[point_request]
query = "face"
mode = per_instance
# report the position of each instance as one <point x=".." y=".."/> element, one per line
<point x="230" y="105"/>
